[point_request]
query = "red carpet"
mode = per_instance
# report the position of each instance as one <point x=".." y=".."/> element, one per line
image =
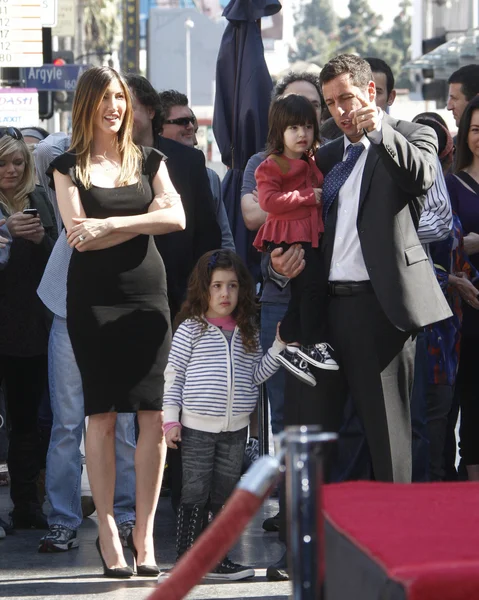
<point x="425" y="536"/>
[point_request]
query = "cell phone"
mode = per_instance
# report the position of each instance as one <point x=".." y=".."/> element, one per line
<point x="33" y="212"/>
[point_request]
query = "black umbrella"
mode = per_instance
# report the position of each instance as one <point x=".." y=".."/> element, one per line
<point x="243" y="93"/>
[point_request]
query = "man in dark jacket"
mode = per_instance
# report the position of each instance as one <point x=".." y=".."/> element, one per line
<point x="186" y="167"/>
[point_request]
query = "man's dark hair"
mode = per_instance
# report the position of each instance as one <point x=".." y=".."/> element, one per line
<point x="167" y="100"/>
<point x="468" y="77"/>
<point x="146" y="95"/>
<point x="284" y="112"/>
<point x="281" y="86"/>
<point x="378" y="65"/>
<point x="358" y="69"/>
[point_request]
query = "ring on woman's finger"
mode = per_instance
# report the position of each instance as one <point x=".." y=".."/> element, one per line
<point x="81" y="238"/>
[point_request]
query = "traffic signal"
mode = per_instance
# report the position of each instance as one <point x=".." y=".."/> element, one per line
<point x="60" y="59"/>
<point x="45" y="99"/>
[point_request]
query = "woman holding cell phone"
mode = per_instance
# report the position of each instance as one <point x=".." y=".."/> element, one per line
<point x="23" y="321"/>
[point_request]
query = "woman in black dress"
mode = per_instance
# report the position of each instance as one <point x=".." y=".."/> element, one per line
<point x="113" y="196"/>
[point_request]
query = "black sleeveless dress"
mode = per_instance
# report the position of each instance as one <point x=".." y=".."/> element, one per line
<point x="117" y="307"/>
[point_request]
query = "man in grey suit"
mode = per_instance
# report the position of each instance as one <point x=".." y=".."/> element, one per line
<point x="380" y="283"/>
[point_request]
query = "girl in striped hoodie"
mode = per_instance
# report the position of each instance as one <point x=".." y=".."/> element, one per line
<point x="214" y="369"/>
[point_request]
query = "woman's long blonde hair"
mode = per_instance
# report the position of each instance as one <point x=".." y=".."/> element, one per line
<point x="89" y="93"/>
<point x="9" y="146"/>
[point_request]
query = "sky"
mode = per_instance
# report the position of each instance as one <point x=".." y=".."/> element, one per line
<point x="387" y="9"/>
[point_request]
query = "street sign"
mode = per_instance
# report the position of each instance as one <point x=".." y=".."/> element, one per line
<point x="21" y="33"/>
<point x="52" y="78"/>
<point x="65" y="26"/>
<point x="18" y="107"/>
<point x="49" y="13"/>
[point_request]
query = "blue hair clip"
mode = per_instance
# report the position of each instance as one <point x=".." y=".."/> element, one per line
<point x="213" y="260"/>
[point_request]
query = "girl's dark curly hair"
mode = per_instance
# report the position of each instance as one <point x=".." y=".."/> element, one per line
<point x="198" y="295"/>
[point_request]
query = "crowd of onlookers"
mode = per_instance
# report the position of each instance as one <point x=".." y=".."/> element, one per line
<point x="369" y="259"/>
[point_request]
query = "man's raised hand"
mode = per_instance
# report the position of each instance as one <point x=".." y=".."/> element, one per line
<point x="367" y="117"/>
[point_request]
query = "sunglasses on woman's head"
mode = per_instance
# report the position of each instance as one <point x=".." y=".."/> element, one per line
<point x="183" y="121"/>
<point x="13" y="132"/>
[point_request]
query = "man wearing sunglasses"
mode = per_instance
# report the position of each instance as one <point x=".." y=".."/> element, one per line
<point x="180" y="128"/>
<point x="177" y="122"/>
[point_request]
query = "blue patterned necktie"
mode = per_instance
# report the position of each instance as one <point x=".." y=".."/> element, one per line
<point x="337" y="177"/>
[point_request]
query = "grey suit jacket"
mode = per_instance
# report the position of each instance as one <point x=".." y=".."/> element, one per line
<point x="397" y="174"/>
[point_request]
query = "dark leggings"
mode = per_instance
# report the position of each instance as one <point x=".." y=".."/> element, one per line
<point x="468" y="390"/>
<point x="305" y="319"/>
<point x="25" y="380"/>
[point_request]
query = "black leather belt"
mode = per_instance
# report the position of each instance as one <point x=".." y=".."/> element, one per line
<point x="349" y="288"/>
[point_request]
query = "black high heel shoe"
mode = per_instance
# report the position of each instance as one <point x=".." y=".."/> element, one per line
<point x="145" y="570"/>
<point x="117" y="572"/>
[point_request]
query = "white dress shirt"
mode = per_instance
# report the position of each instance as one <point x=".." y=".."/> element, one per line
<point x="347" y="262"/>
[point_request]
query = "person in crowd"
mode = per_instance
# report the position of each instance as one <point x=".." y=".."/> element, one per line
<point x="5" y="241"/>
<point x="381" y="284"/>
<point x="384" y="81"/>
<point x="456" y="276"/>
<point x="30" y="221"/>
<point x="177" y="122"/>
<point x="289" y="190"/>
<point x="216" y="333"/>
<point x="34" y="135"/>
<point x="117" y="307"/>
<point x="216" y="189"/>
<point x="463" y="188"/>
<point x="463" y="86"/>
<point x="186" y="166"/>
<point x="64" y="462"/>
<point x="443" y="338"/>
<point x="444" y="138"/>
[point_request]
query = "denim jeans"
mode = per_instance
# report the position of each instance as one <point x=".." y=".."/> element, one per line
<point x="211" y="465"/>
<point x="271" y="315"/>
<point x="63" y="477"/>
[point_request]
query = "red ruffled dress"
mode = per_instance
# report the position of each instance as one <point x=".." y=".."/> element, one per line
<point x="285" y="192"/>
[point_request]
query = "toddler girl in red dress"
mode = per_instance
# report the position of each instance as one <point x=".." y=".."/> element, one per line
<point x="289" y="190"/>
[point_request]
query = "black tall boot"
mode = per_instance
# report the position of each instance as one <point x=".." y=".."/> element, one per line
<point x="190" y="522"/>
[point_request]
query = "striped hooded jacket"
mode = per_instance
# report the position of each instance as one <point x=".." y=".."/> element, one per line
<point x="212" y="381"/>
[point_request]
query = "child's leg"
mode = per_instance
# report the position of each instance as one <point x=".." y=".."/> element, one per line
<point x="311" y="289"/>
<point x="198" y="456"/>
<point x="228" y="461"/>
<point x="229" y="452"/>
<point x="304" y="321"/>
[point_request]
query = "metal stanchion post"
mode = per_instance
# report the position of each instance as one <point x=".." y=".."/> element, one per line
<point x="263" y="420"/>
<point x="304" y="477"/>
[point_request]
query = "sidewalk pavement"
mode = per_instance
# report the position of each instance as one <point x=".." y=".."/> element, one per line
<point x="27" y="575"/>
